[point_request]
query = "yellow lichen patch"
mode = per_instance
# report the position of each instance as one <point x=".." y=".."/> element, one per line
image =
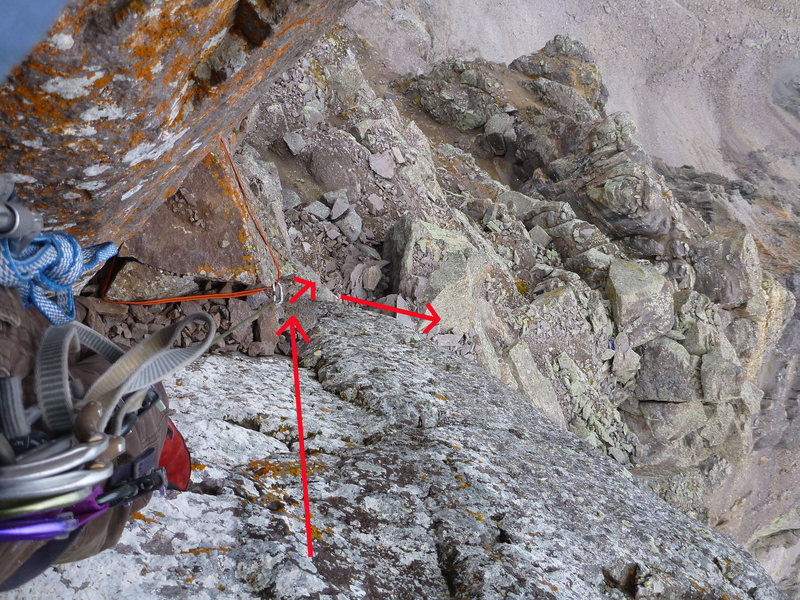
<point x="440" y="397"/>
<point x="476" y="514"/>
<point x="259" y="469"/>
<point x="316" y="532"/>
<point x="198" y="467"/>
<point x="522" y="287"/>
<point x="550" y="585"/>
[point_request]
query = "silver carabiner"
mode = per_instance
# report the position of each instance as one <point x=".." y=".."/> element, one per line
<point x="275" y="293"/>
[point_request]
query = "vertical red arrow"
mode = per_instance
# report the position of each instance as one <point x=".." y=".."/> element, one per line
<point x="294" y="326"/>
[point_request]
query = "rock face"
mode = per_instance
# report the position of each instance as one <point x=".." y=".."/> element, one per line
<point x="559" y="260"/>
<point x="585" y="287"/>
<point x="426" y="475"/>
<point x="133" y="94"/>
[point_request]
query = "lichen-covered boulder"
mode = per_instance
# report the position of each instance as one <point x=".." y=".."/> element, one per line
<point x="641" y="300"/>
<point x="112" y="110"/>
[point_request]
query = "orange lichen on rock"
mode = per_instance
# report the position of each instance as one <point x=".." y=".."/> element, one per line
<point x="122" y="94"/>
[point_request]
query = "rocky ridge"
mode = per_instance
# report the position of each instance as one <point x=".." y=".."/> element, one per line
<point x="556" y="253"/>
<point x="558" y="256"/>
<point x="428" y="478"/>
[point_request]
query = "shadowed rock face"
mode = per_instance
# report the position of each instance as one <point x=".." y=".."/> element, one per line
<point x="110" y="112"/>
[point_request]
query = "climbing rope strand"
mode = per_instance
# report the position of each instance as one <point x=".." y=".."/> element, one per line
<point x="217" y="296"/>
<point x="250" y="210"/>
<point x="52" y="262"/>
<point x="240" y="294"/>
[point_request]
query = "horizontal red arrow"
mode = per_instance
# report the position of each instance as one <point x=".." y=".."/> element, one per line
<point x="294" y="327"/>
<point x="307" y="285"/>
<point x="433" y="317"/>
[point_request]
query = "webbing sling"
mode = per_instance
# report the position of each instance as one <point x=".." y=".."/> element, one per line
<point x="132" y="372"/>
<point x="57" y="467"/>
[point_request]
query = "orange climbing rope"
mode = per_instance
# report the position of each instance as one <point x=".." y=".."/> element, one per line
<point x="240" y="294"/>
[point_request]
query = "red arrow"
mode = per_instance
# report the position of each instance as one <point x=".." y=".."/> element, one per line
<point x="433" y="317"/>
<point x="306" y="286"/>
<point x="294" y="326"/>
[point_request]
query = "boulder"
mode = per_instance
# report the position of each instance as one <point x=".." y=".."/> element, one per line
<point x="318" y="209"/>
<point x="521" y="205"/>
<point x="667" y="374"/>
<point x="345" y="78"/>
<point x="338" y="161"/>
<point x="729" y="272"/>
<point x="626" y="362"/>
<point x="499" y="132"/>
<point x="136" y="281"/>
<point x="670" y="421"/>
<point x="539" y="236"/>
<point x="576" y="237"/>
<point x="331" y="198"/>
<point x="350" y="224"/>
<point x="382" y="164"/>
<point x="431" y="264"/>
<point x="699" y="337"/>
<point x="641" y="301"/>
<point x="721" y="379"/>
<point x="592" y="265"/>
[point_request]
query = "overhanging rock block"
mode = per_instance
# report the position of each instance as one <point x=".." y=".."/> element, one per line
<point x="106" y="117"/>
<point x="205" y="230"/>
